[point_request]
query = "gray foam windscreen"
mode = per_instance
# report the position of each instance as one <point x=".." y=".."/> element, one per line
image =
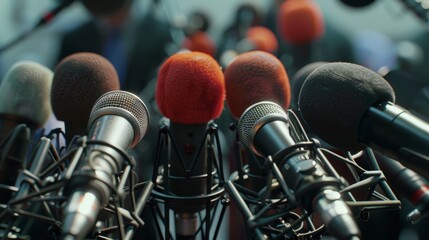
<point x="25" y="92"/>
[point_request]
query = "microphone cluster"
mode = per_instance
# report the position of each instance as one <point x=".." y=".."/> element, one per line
<point x="88" y="188"/>
<point x="301" y="173"/>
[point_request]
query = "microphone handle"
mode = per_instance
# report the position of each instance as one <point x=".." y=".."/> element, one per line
<point x="47" y="17"/>
<point x="188" y="165"/>
<point x="399" y="134"/>
<point x="36" y="167"/>
<point x="257" y="175"/>
<point x="407" y="184"/>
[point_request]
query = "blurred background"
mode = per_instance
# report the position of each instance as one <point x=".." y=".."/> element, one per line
<point x="382" y="20"/>
<point x="387" y="36"/>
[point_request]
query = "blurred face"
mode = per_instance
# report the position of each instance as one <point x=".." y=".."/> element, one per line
<point x="118" y="17"/>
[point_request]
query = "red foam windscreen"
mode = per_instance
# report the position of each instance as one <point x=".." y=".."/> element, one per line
<point x="263" y="39"/>
<point x="300" y="21"/>
<point x="200" y="42"/>
<point x="253" y="77"/>
<point x="190" y="88"/>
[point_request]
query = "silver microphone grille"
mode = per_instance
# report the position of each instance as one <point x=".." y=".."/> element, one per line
<point x="257" y="115"/>
<point x="124" y="104"/>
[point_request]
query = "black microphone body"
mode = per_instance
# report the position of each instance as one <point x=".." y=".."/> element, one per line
<point x="408" y="184"/>
<point x="187" y="173"/>
<point x="188" y="138"/>
<point x="47" y="17"/>
<point x="264" y="127"/>
<point x="350" y="106"/>
<point x="118" y="121"/>
<point x="357" y="3"/>
<point x="256" y="173"/>
<point x="399" y="134"/>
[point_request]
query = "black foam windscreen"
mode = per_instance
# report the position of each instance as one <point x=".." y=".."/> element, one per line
<point x="334" y="98"/>
<point x="104" y="7"/>
<point x="357" y="3"/>
<point x="299" y="77"/>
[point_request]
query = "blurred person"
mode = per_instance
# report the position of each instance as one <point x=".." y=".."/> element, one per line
<point x="135" y="45"/>
<point x="246" y="16"/>
<point x="198" y="21"/>
<point x="196" y="33"/>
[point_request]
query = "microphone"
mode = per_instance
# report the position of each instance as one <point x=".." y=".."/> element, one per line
<point x="299" y="78"/>
<point x="300" y="24"/>
<point x="350" y="106"/>
<point x="79" y="80"/>
<point x="357" y="3"/>
<point x="190" y="92"/>
<point x="265" y="128"/>
<point x="24" y="107"/>
<point x="24" y="96"/>
<point x="407" y="184"/>
<point x="200" y="42"/>
<point x="49" y="15"/>
<point x="263" y="39"/>
<point x="409" y="88"/>
<point x="118" y="121"/>
<point x="253" y="77"/>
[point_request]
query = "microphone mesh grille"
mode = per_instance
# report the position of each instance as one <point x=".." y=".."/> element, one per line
<point x="253" y="115"/>
<point x="127" y="103"/>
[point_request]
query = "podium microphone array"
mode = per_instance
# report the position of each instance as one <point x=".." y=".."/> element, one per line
<point x="284" y="186"/>
<point x="264" y="129"/>
<point x="80" y="192"/>
<point x="25" y="87"/>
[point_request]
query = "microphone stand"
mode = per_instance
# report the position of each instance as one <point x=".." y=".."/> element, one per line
<point x="200" y="223"/>
<point x="47" y="188"/>
<point x="273" y="212"/>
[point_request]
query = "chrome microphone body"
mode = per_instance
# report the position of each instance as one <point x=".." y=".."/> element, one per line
<point x="265" y="128"/>
<point x="117" y="122"/>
